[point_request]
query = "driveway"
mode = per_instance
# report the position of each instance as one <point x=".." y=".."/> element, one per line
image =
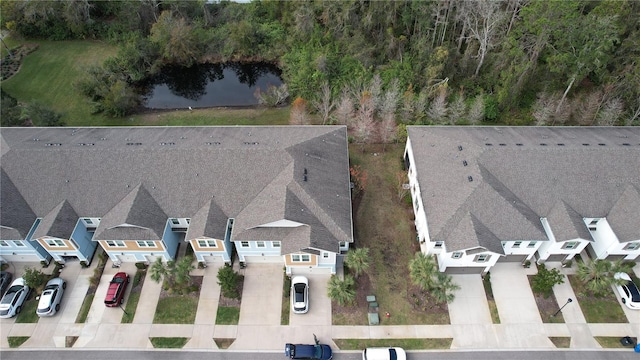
<point x="470" y="309"/>
<point x="261" y="295"/>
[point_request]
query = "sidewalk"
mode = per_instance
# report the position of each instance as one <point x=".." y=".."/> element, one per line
<point x="259" y="328"/>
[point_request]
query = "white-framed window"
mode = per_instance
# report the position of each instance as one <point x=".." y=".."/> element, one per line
<point x="175" y="221"/>
<point x="306" y="257"/>
<point x="260" y="244"/>
<point x="207" y="243"/>
<point x="531" y="244"/>
<point x="570" y="245"/>
<point x="295" y="257"/>
<point x="4" y="243"/>
<point x="325" y="255"/>
<point x="517" y="244"/>
<point x="438" y="244"/>
<point x="88" y="221"/>
<point x="632" y="246"/>
<point x="275" y="244"/>
<point x="244" y="244"/>
<point x="18" y="243"/>
<point x="300" y="257"/>
<point x="55" y="242"/>
<point x="145" y="243"/>
<point x="456" y="255"/>
<point x="115" y="243"/>
<point x="482" y="258"/>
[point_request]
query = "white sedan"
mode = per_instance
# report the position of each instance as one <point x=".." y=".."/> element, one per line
<point x="51" y="297"/>
<point x="11" y="303"/>
<point x="628" y="291"/>
<point x="380" y="353"/>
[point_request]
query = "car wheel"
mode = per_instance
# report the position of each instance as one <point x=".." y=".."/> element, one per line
<point x="624" y="301"/>
<point x="57" y="307"/>
<point x="64" y="285"/>
<point x="121" y="300"/>
<point x="18" y="309"/>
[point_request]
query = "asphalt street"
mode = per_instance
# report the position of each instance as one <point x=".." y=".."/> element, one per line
<point x="182" y="354"/>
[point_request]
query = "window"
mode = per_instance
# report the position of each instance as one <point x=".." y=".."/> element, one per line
<point x="4" y="243"/>
<point x="115" y="243"/>
<point x="207" y="243"/>
<point x="175" y="221"/>
<point x="295" y="258"/>
<point x="143" y="243"/>
<point x="570" y="245"/>
<point x="456" y="255"/>
<point x="275" y="244"/>
<point x="325" y="255"/>
<point x="632" y="246"/>
<point x="244" y="244"/>
<point x="517" y="244"/>
<point x="260" y="244"/>
<point x="306" y="258"/>
<point x="55" y="242"/>
<point x="300" y="257"/>
<point x="439" y="244"/>
<point x="18" y="243"/>
<point x="531" y="244"/>
<point x="88" y="221"/>
<point x="482" y="258"/>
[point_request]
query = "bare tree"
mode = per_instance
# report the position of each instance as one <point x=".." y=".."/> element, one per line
<point x="437" y="112"/>
<point x="298" y="115"/>
<point x="387" y="129"/>
<point x="476" y="112"/>
<point x="391" y="98"/>
<point x="635" y="114"/>
<point x="543" y="109"/>
<point x="344" y="112"/>
<point x="610" y="112"/>
<point x="324" y="105"/>
<point x="364" y="121"/>
<point x="457" y="109"/>
<point x="585" y="108"/>
<point x="481" y="19"/>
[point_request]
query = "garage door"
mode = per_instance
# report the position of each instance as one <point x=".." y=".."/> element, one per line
<point x="304" y="270"/>
<point x="464" y="270"/>
<point x="556" y="258"/>
<point x="263" y="259"/>
<point x="512" y="258"/>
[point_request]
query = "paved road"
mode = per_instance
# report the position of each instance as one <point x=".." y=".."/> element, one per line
<point x="622" y="354"/>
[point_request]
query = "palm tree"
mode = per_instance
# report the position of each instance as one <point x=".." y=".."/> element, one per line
<point x="341" y="290"/>
<point x="422" y="269"/>
<point x="443" y="288"/>
<point x="598" y="275"/>
<point x="357" y="260"/>
<point x="157" y="270"/>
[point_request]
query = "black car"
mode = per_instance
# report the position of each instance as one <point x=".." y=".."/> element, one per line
<point x="308" y="352"/>
<point x="5" y="280"/>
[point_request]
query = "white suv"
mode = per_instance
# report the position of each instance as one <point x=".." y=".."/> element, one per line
<point x="390" y="353"/>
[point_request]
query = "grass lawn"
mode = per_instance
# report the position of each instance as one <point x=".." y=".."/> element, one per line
<point x="130" y="309"/>
<point x="604" y="309"/>
<point x="488" y="291"/>
<point x="286" y="300"/>
<point x="407" y="344"/>
<point x="611" y="342"/>
<point x="16" y="341"/>
<point x="11" y="44"/>
<point x="560" y="341"/>
<point x="228" y="315"/>
<point x="47" y="76"/>
<point x="176" y="310"/>
<point x="216" y="116"/>
<point x="168" y="342"/>
<point x="28" y="312"/>
<point x="84" y="309"/>
<point x="384" y="223"/>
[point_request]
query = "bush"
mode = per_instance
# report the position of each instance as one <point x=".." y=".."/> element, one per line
<point x="544" y="281"/>
<point x="34" y="278"/>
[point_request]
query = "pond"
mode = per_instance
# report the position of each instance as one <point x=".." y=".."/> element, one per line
<point x="209" y="85"/>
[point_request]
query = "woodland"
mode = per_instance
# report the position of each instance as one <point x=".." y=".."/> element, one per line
<point x="372" y="63"/>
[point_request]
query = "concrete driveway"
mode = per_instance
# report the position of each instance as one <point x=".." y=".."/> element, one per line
<point x="261" y="295"/>
<point x="470" y="309"/>
<point x="319" y="304"/>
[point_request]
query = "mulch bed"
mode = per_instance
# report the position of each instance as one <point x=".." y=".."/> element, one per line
<point x="9" y="66"/>
<point x="547" y="306"/>
<point x="195" y="280"/>
<point x="229" y="302"/>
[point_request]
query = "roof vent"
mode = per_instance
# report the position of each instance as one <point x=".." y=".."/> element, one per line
<point x="560" y="144"/>
<point x="213" y="143"/>
<point x="304" y="177"/>
<point x="601" y="144"/>
<point x="470" y="178"/>
<point x="132" y="143"/>
<point x="305" y="171"/>
<point x="626" y="144"/>
<point x="488" y="144"/>
<point x="586" y="144"/>
<point x="251" y="143"/>
<point x="86" y="144"/>
<point x="53" y="144"/>
<point x="502" y="144"/>
<point x="543" y="144"/>
<point x="464" y="162"/>
<point x="519" y="144"/>
<point x="459" y="147"/>
<point x="167" y="143"/>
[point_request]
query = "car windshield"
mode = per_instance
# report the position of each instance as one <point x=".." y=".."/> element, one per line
<point x="392" y="354"/>
<point x="118" y="280"/>
<point x="633" y="289"/>
<point x="318" y="353"/>
<point x="8" y="296"/>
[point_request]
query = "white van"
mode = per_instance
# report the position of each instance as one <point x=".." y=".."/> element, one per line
<point x="389" y="353"/>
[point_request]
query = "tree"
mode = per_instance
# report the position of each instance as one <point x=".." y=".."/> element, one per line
<point x="324" y="105"/>
<point x="544" y="281"/>
<point x="457" y="109"/>
<point x="422" y="270"/>
<point x="34" y="278"/>
<point x="610" y="112"/>
<point x="357" y="260"/>
<point x="298" y="115"/>
<point x="598" y="275"/>
<point x="437" y="112"/>
<point x="175" y="275"/>
<point x="344" y="109"/>
<point x="229" y="281"/>
<point x="482" y="19"/>
<point x="476" y="112"/>
<point x="363" y="124"/>
<point x="443" y="288"/>
<point x="177" y="39"/>
<point x="341" y="291"/>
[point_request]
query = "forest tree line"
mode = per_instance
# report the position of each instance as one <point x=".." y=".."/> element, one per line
<point x="374" y="64"/>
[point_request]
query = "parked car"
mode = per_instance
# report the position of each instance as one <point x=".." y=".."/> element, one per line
<point x="5" y="280"/>
<point x="11" y="303"/>
<point x="308" y="352"/>
<point x="300" y="294"/>
<point x="116" y="290"/>
<point x="380" y="353"/>
<point x="51" y="297"/>
<point x="628" y="292"/>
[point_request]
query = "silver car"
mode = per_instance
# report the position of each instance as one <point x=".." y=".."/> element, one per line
<point x="51" y="297"/>
<point x="11" y="303"/>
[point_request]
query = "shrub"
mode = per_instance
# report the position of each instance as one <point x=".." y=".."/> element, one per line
<point x="229" y="281"/>
<point x="544" y="281"/>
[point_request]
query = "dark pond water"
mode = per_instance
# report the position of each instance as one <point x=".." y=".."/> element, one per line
<point x="209" y="85"/>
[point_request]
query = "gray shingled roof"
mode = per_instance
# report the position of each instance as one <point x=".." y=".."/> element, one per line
<point x="518" y="175"/>
<point x="247" y="173"/>
<point x="624" y="216"/>
<point x="59" y="222"/>
<point x="16" y="216"/>
<point x="210" y="221"/>
<point x="566" y="223"/>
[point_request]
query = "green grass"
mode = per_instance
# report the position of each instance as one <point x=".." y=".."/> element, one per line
<point x="28" y="312"/>
<point x="16" y="341"/>
<point x="286" y="300"/>
<point x="168" y="342"/>
<point x="488" y="290"/>
<point x="605" y="309"/>
<point x="561" y="341"/>
<point x="407" y="344"/>
<point x="224" y="343"/>
<point x="176" y="310"/>
<point x="47" y="76"/>
<point x="130" y="309"/>
<point x="609" y="342"/>
<point x="218" y="117"/>
<point x="84" y="309"/>
<point x="228" y="315"/>
<point x="11" y="43"/>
